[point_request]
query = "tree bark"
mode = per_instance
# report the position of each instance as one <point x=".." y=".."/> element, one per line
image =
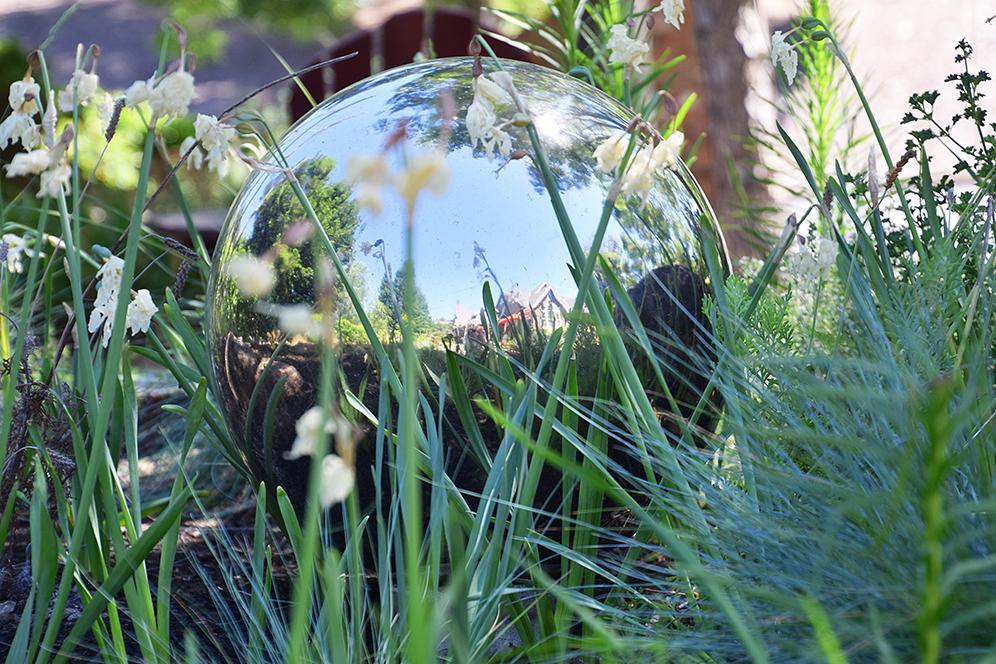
<point x="722" y="62"/>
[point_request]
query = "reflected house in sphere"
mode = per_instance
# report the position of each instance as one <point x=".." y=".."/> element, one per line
<point x="542" y="307"/>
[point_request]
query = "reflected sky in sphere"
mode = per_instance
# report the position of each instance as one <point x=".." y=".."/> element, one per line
<point x="498" y="206"/>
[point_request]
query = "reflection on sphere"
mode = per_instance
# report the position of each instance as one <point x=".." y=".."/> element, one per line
<point x="494" y="226"/>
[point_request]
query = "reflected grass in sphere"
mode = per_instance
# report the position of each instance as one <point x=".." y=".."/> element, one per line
<point x="494" y="225"/>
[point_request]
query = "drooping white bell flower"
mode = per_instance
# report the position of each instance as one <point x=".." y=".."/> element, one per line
<point x="336" y="481"/>
<point x="138" y="92"/>
<point x="826" y="255"/>
<point x="141" y="309"/>
<point x="630" y="52"/>
<point x="253" y="277"/>
<point x="54" y="182"/>
<point x="28" y="163"/>
<point x="424" y="170"/>
<point x="480" y="118"/>
<point x="784" y="56"/>
<point x="297" y="319"/>
<point x="216" y="139"/>
<point x="483" y="127"/>
<point x="108" y="289"/>
<point x="674" y="12"/>
<point x="492" y="92"/>
<point x="610" y="152"/>
<point x="23" y="96"/>
<point x="85" y="85"/>
<point x="308" y="428"/>
<point x="195" y="158"/>
<point x="19" y="128"/>
<point x="50" y="121"/>
<point x="172" y="95"/>
<point x="639" y="176"/>
<point x="15" y="252"/>
<point x="667" y="152"/>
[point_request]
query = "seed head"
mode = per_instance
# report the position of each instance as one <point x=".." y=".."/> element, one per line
<point x="894" y="173"/>
<point x="112" y="124"/>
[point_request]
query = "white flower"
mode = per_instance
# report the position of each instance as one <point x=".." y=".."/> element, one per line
<point x="138" y="92"/>
<point x="195" y="160"/>
<point x="28" y="163"/>
<point x="215" y="139"/>
<point x="172" y="94"/>
<point x="504" y="81"/>
<point x="499" y="140"/>
<point x="674" y="12"/>
<point x="628" y="51"/>
<point x="811" y="265"/>
<point x="19" y="127"/>
<point x="308" y="428"/>
<point x="367" y="169"/>
<point x="86" y="87"/>
<point x="23" y="96"/>
<point x="610" y="152"/>
<point x="337" y="480"/>
<point x="109" y="287"/>
<point x="297" y="319"/>
<point x="481" y="117"/>
<point x="253" y="277"/>
<point x="50" y="120"/>
<point x="495" y="94"/>
<point x="425" y="170"/>
<point x="15" y="252"/>
<point x="667" y="152"/>
<point x="639" y="177"/>
<point x="369" y="173"/>
<point x="140" y="312"/>
<point x="826" y="255"/>
<point x="782" y="54"/>
<point x="368" y="197"/>
<point x="55" y="181"/>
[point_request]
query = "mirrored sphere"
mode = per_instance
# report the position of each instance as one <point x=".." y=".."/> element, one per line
<point x="493" y="225"/>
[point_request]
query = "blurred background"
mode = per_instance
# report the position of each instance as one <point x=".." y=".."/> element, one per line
<point x="898" y="47"/>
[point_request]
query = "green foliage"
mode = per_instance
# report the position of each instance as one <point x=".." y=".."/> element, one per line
<point x="295" y="260"/>
<point x="841" y="511"/>
<point x="390" y="297"/>
<point x="295" y="263"/>
<point x="305" y="20"/>
<point x="350" y="333"/>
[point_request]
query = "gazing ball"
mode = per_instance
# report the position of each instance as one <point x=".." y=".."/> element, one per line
<point x="493" y="226"/>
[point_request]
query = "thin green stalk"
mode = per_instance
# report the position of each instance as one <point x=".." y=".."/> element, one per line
<point x="308" y="554"/>
<point x="419" y="648"/>
<point x="11" y="378"/>
<point x="103" y="404"/>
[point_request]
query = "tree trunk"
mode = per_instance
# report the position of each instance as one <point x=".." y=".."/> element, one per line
<point x="722" y="64"/>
